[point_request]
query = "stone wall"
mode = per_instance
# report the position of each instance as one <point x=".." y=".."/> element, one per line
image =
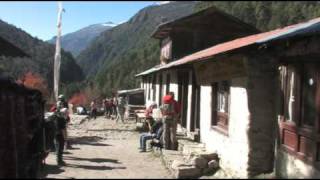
<point x="262" y="97"/>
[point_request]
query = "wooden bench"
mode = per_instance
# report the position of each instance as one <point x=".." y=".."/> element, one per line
<point x="140" y="116"/>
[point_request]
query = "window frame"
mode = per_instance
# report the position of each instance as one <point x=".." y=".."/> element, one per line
<point x="220" y="120"/>
<point x="296" y="138"/>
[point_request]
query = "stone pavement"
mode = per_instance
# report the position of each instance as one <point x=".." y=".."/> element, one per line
<point x="105" y="149"/>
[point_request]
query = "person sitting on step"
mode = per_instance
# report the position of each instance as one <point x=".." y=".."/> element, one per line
<point x="152" y="126"/>
<point x="156" y="141"/>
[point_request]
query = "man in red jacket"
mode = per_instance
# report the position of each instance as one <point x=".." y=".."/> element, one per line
<point x="170" y="111"/>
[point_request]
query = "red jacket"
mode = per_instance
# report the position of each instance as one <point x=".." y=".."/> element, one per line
<point x="169" y="100"/>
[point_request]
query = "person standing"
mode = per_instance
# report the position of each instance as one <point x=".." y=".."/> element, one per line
<point x="59" y="140"/>
<point x="170" y="111"/>
<point x="121" y="109"/>
<point x="93" y="107"/>
<point x="62" y="103"/>
<point x="114" y="102"/>
<point x="108" y="106"/>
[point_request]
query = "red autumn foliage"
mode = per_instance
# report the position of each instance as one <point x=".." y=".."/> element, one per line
<point x="79" y="99"/>
<point x="34" y="81"/>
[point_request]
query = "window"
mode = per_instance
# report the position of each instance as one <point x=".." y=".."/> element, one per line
<point x="299" y="125"/>
<point x="220" y="104"/>
<point x="300" y="88"/>
<point x="309" y="88"/>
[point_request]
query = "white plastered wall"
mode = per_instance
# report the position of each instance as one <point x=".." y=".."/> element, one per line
<point x="189" y="102"/>
<point x="233" y="149"/>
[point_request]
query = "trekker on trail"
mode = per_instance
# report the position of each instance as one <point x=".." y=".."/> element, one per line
<point x="114" y="105"/>
<point x="59" y="121"/>
<point x="121" y="109"/>
<point x="108" y="108"/>
<point x="170" y="112"/>
<point x="93" y="107"/>
<point x="62" y="103"/>
<point x="153" y="127"/>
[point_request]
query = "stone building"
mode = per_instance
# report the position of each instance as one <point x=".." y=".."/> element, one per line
<point x="255" y="100"/>
<point x="179" y="38"/>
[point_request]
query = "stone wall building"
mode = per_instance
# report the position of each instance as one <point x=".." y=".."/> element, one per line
<point x="179" y="38"/>
<point x="255" y="100"/>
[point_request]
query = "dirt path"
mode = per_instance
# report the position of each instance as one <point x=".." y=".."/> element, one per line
<point x="105" y="149"/>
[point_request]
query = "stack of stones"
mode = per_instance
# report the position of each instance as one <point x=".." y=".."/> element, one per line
<point x="196" y="165"/>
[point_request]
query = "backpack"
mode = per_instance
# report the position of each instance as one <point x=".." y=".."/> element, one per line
<point x="168" y="110"/>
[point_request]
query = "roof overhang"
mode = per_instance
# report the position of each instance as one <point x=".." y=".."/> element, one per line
<point x="310" y="27"/>
<point x="200" y="18"/>
<point x="131" y="91"/>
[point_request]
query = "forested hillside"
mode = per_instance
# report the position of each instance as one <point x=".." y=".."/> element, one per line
<point x="267" y="15"/>
<point x="41" y="61"/>
<point x="118" y="54"/>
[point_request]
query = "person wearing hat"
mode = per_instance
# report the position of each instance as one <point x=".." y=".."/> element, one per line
<point x="170" y="112"/>
<point x="59" y="138"/>
<point x="121" y="109"/>
<point x="153" y="127"/>
<point x="62" y="103"/>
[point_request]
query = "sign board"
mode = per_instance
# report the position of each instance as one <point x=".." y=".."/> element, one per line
<point x="217" y="70"/>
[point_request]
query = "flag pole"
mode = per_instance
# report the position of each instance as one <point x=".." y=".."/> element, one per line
<point x="57" y="57"/>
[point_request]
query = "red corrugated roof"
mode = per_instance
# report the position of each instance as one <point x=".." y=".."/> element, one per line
<point x="234" y="44"/>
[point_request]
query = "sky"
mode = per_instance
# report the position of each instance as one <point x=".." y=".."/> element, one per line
<point x="40" y="18"/>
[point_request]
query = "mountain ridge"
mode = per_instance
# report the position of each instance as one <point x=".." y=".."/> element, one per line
<point x="41" y="60"/>
<point x="78" y="40"/>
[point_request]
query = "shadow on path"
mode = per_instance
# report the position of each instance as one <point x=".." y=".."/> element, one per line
<point x="96" y="160"/>
<point x="66" y="152"/>
<point x="88" y="167"/>
<point x="50" y="169"/>
<point x="87" y="140"/>
<point x="118" y="130"/>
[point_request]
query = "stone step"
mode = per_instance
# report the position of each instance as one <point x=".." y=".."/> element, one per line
<point x="186" y="171"/>
<point x="188" y="142"/>
<point x="169" y="156"/>
<point x="187" y="151"/>
<point x="188" y="167"/>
